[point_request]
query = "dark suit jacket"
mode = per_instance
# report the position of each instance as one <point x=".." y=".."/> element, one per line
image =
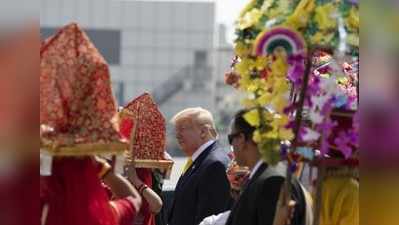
<point x="257" y="203"/>
<point x="203" y="190"/>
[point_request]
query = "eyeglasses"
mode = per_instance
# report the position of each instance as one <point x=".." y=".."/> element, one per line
<point x="231" y="137"/>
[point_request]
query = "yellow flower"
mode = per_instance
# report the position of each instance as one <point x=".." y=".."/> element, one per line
<point x="353" y="39"/>
<point x="261" y="62"/>
<point x="257" y="137"/>
<point x="279" y="10"/>
<point x="279" y="122"/>
<point x="249" y="103"/>
<point x="252" y="117"/>
<point x="252" y="87"/>
<point x="244" y="83"/>
<point x="300" y="17"/>
<point x="325" y="16"/>
<point x="352" y="22"/>
<point x="279" y="103"/>
<point x="342" y="80"/>
<point x="244" y="66"/>
<point x="249" y="6"/>
<point x="322" y="38"/>
<point x="281" y="86"/>
<point x="272" y="134"/>
<point x="249" y="19"/>
<point x="266" y="5"/>
<point x="264" y="99"/>
<point x="286" y="134"/>
<point x="279" y="67"/>
<point x="242" y="50"/>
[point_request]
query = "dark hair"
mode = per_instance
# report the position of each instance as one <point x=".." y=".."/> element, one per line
<point x="241" y="125"/>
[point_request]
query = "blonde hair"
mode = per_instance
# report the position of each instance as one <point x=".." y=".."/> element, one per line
<point x="196" y="116"/>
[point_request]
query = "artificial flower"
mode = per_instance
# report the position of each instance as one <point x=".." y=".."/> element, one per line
<point x="248" y="7"/>
<point x="281" y="86"/>
<point x="281" y="9"/>
<point x="266" y="5"/>
<point x="242" y="50"/>
<point x="279" y="67"/>
<point x="343" y="142"/>
<point x="321" y="38"/>
<point x="261" y="62"/>
<point x="257" y="137"/>
<point x="286" y="134"/>
<point x="353" y="39"/>
<point x="264" y="98"/>
<point x="244" y="67"/>
<point x="325" y="16"/>
<point x="279" y="120"/>
<point x="279" y="103"/>
<point x="272" y="134"/>
<point x="299" y="19"/>
<point x="249" y="19"/>
<point x="310" y="135"/>
<point x="232" y="79"/>
<point x="249" y="103"/>
<point x="352" y="22"/>
<point x="244" y="82"/>
<point x="252" y="117"/>
<point x="340" y="101"/>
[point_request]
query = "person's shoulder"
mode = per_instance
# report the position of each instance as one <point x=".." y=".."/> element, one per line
<point x="218" y="156"/>
<point x="270" y="176"/>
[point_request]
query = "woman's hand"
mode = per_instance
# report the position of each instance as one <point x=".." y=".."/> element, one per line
<point x="132" y="175"/>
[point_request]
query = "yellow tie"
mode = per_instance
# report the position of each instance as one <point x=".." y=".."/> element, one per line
<point x="188" y="164"/>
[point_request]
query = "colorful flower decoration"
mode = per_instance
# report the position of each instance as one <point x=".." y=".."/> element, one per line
<point x="273" y="37"/>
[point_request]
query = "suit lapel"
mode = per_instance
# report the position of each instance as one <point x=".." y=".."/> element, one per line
<point x="196" y="164"/>
<point x="259" y="172"/>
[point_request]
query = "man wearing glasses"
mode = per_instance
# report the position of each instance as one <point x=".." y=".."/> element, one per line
<point x="258" y="201"/>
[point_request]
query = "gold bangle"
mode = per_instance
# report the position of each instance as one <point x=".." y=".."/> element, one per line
<point x="104" y="170"/>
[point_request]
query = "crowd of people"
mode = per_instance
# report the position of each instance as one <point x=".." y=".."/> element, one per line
<point x="86" y="191"/>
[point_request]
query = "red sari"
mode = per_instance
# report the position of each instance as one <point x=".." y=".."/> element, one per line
<point x="75" y="195"/>
<point x="145" y="217"/>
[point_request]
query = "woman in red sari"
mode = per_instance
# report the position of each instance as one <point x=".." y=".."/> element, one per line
<point x="74" y="194"/>
<point x="141" y="178"/>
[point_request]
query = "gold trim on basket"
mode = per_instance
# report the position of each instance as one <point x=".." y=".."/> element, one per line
<point x="86" y="149"/>
<point x="150" y="163"/>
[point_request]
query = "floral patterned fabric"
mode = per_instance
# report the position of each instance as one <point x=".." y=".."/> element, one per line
<point x="76" y="101"/>
<point x="150" y="134"/>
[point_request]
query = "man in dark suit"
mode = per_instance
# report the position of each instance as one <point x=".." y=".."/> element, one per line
<point x="203" y="188"/>
<point x="258" y="201"/>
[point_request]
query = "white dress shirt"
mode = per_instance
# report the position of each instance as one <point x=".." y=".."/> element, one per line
<point x="201" y="149"/>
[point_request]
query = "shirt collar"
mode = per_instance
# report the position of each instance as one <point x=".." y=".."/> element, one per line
<point x="256" y="167"/>
<point x="201" y="149"/>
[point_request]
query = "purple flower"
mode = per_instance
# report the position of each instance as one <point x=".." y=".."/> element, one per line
<point x="296" y="70"/>
<point x="292" y="167"/>
<point x="353" y="137"/>
<point x="324" y="69"/>
<point x="284" y="151"/>
<point x="342" y="142"/>
<point x="327" y="107"/>
<point x="353" y="2"/>
<point x="325" y="129"/>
